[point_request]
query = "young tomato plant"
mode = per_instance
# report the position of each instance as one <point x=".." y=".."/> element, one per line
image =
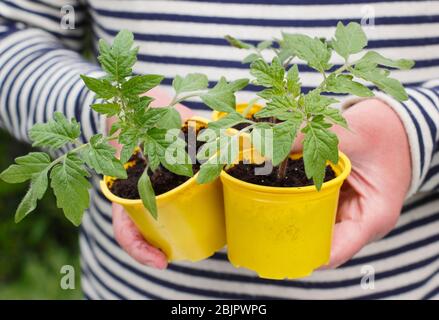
<point x="118" y="95"/>
<point x="288" y="110"/>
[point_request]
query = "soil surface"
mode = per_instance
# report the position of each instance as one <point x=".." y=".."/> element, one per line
<point x="162" y="179"/>
<point x="295" y="176"/>
<point x="241" y="126"/>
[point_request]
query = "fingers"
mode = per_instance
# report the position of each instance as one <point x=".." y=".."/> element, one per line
<point x="132" y="241"/>
<point x="349" y="237"/>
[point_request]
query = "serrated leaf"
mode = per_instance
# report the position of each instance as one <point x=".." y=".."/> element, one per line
<point x="379" y="77"/>
<point x="55" y="133"/>
<point x="262" y="138"/>
<point x="238" y="43"/>
<point x="38" y="187"/>
<point x="147" y="194"/>
<point x="319" y="146"/>
<point x="191" y="82"/>
<point x="157" y="143"/>
<point x="314" y="102"/>
<point x="268" y="75"/>
<point x="109" y="109"/>
<point x="127" y="151"/>
<point x="102" y="87"/>
<point x="100" y="156"/>
<point x="209" y="172"/>
<point x="140" y="84"/>
<point x="221" y="97"/>
<point x="373" y="57"/>
<point x="228" y="121"/>
<point x="117" y="60"/>
<point x="70" y="186"/>
<point x="283" y="138"/>
<point x="344" y="84"/>
<point x="335" y="116"/>
<point x="280" y="107"/>
<point x="293" y="81"/>
<point x="250" y="58"/>
<point x="315" y="52"/>
<point x="182" y="169"/>
<point x="26" y="167"/>
<point x="170" y="119"/>
<point x="349" y="39"/>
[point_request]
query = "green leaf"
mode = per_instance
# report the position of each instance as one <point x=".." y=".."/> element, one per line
<point x="38" y="187"/>
<point x="335" y="116"/>
<point x="293" y="81"/>
<point x="70" y="186"/>
<point x="182" y="169"/>
<point x="127" y="151"/>
<point x="228" y="121"/>
<point x="170" y="119"/>
<point x="315" y="103"/>
<point x="141" y="84"/>
<point x="373" y="57"/>
<point x="209" y="172"/>
<point x="315" y="52"/>
<point x="250" y="58"/>
<point x="117" y="60"/>
<point x="349" y="39"/>
<point x="238" y="84"/>
<point x="264" y="45"/>
<point x="319" y="146"/>
<point x="27" y="166"/>
<point x="283" y="138"/>
<point x="55" y="133"/>
<point x="379" y="77"/>
<point x="344" y="84"/>
<point x="102" y="87"/>
<point x="281" y="107"/>
<point x="191" y="82"/>
<point x="221" y="97"/>
<point x="147" y="194"/>
<point x="157" y="143"/>
<point x="262" y="138"/>
<point x="109" y="109"/>
<point x="268" y="75"/>
<point x="238" y="43"/>
<point x="99" y="155"/>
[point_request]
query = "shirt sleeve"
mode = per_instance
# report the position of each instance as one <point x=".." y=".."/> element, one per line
<point x="420" y="117"/>
<point x="40" y="64"/>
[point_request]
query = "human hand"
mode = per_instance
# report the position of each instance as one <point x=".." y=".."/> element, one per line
<point x="125" y="231"/>
<point x="372" y="197"/>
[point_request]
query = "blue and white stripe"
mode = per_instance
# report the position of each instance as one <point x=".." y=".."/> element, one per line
<point x="40" y="65"/>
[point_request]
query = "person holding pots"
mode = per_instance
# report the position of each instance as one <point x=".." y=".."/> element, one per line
<point x="387" y="222"/>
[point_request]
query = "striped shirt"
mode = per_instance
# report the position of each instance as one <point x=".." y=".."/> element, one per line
<point x="40" y="63"/>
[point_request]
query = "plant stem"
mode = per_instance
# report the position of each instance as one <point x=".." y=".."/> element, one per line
<point x="282" y="170"/>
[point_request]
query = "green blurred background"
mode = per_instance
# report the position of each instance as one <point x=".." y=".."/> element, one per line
<point x="33" y="251"/>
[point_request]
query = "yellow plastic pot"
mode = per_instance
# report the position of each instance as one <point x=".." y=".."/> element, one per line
<point x="240" y="107"/>
<point x="190" y="224"/>
<point x="281" y="232"/>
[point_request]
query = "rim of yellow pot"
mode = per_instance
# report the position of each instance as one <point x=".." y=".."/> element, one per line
<point x="344" y="163"/>
<point x="164" y="196"/>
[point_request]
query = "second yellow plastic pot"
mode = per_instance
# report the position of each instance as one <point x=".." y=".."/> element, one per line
<point x="281" y="232"/>
<point x="190" y="223"/>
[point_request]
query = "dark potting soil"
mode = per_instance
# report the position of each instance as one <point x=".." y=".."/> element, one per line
<point x="162" y="180"/>
<point x="241" y="126"/>
<point x="295" y="175"/>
